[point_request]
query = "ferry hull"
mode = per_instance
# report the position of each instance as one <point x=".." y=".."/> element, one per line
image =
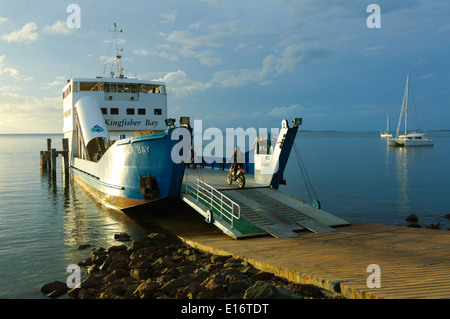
<point x="132" y="172"/>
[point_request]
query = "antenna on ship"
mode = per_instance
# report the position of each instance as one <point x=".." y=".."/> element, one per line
<point x="117" y="56"/>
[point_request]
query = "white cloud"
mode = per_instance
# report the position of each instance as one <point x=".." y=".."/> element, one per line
<point x="26" y="35"/>
<point x="372" y="51"/>
<point x="142" y="52"/>
<point x="3" y="20"/>
<point x="29" y="114"/>
<point x="59" y="27"/>
<point x="427" y="76"/>
<point x="285" y="110"/>
<point x="181" y="85"/>
<point x="168" y="17"/>
<point x="12" y="72"/>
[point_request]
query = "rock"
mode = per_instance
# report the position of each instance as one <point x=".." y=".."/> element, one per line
<point x="117" y="248"/>
<point x="86" y="262"/>
<point x="412" y="218"/>
<point x="171" y="287"/>
<point x="84" y="246"/>
<point x="249" y="270"/>
<point x="262" y="275"/>
<point x="122" y="237"/>
<point x="146" y="290"/>
<point x="120" y="273"/>
<point x="240" y="286"/>
<point x="309" y="290"/>
<point x="414" y="225"/>
<point x="55" y="289"/>
<point x="213" y="293"/>
<point x="219" y="259"/>
<point x="214" y="280"/>
<point x="91" y="282"/>
<point x="265" y="290"/>
<point x="140" y="274"/>
<point x="434" y="226"/>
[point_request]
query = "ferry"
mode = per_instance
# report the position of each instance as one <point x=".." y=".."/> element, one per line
<point x="120" y="138"/>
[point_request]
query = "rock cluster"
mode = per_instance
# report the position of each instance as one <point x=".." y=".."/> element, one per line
<point x="158" y="268"/>
<point x="414" y="222"/>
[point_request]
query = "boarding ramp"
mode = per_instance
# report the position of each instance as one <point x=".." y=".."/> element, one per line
<point x="253" y="211"/>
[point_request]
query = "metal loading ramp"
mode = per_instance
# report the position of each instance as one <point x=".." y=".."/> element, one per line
<point x="255" y="211"/>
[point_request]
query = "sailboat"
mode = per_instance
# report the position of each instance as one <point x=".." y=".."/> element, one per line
<point x="386" y="134"/>
<point x="412" y="138"/>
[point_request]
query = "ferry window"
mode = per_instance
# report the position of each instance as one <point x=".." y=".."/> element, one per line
<point x="120" y="88"/>
<point x="130" y="111"/>
<point x="127" y="88"/>
<point x="106" y="86"/>
<point x="104" y="110"/>
<point x="114" y="111"/>
<point x="134" y="88"/>
<point x="158" y="112"/>
<point x="88" y="86"/>
<point x="141" y="111"/>
<point x="113" y="88"/>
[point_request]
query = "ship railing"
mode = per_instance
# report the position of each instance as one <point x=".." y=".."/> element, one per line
<point x="211" y="198"/>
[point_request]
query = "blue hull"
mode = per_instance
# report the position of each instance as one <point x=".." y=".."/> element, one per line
<point x="132" y="172"/>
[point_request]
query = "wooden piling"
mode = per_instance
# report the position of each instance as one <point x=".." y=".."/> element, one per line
<point x="53" y="162"/>
<point x="48" y="157"/>
<point x="65" y="156"/>
<point x="49" y="148"/>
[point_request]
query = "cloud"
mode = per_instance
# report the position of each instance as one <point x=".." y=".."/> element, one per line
<point x="168" y="17"/>
<point x="281" y="111"/>
<point x="142" y="52"/>
<point x="272" y="65"/>
<point x="12" y="72"/>
<point x="29" y="114"/>
<point x="372" y="51"/>
<point x="59" y="27"/>
<point x="194" y="46"/>
<point x="181" y="85"/>
<point x="427" y="76"/>
<point x="26" y="35"/>
<point x="3" y="20"/>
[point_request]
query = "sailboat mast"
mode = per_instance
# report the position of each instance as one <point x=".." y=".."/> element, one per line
<point x="406" y="105"/>
<point x="404" y="108"/>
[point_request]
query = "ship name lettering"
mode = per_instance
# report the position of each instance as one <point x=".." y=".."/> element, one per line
<point x="151" y="123"/>
<point x="143" y="149"/>
<point x="122" y="123"/>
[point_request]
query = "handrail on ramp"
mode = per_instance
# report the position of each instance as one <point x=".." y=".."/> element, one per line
<point x="209" y="196"/>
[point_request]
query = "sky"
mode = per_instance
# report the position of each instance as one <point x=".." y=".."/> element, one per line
<point x="248" y="63"/>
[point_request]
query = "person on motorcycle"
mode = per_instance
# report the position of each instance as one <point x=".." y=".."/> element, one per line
<point x="236" y="157"/>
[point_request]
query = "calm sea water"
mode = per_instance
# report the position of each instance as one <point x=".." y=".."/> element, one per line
<point x="355" y="176"/>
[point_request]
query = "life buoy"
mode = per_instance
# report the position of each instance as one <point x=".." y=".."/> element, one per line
<point x="316" y="204"/>
<point x="110" y="97"/>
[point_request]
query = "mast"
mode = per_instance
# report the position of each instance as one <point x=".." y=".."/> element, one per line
<point x="117" y="56"/>
<point x="404" y="108"/>
<point x="406" y="105"/>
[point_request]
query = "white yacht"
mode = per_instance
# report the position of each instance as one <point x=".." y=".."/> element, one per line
<point x="408" y="138"/>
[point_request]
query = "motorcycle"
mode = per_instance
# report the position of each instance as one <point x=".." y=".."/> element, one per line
<point x="239" y="177"/>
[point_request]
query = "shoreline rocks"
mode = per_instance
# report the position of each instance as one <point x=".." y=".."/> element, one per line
<point x="160" y="267"/>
